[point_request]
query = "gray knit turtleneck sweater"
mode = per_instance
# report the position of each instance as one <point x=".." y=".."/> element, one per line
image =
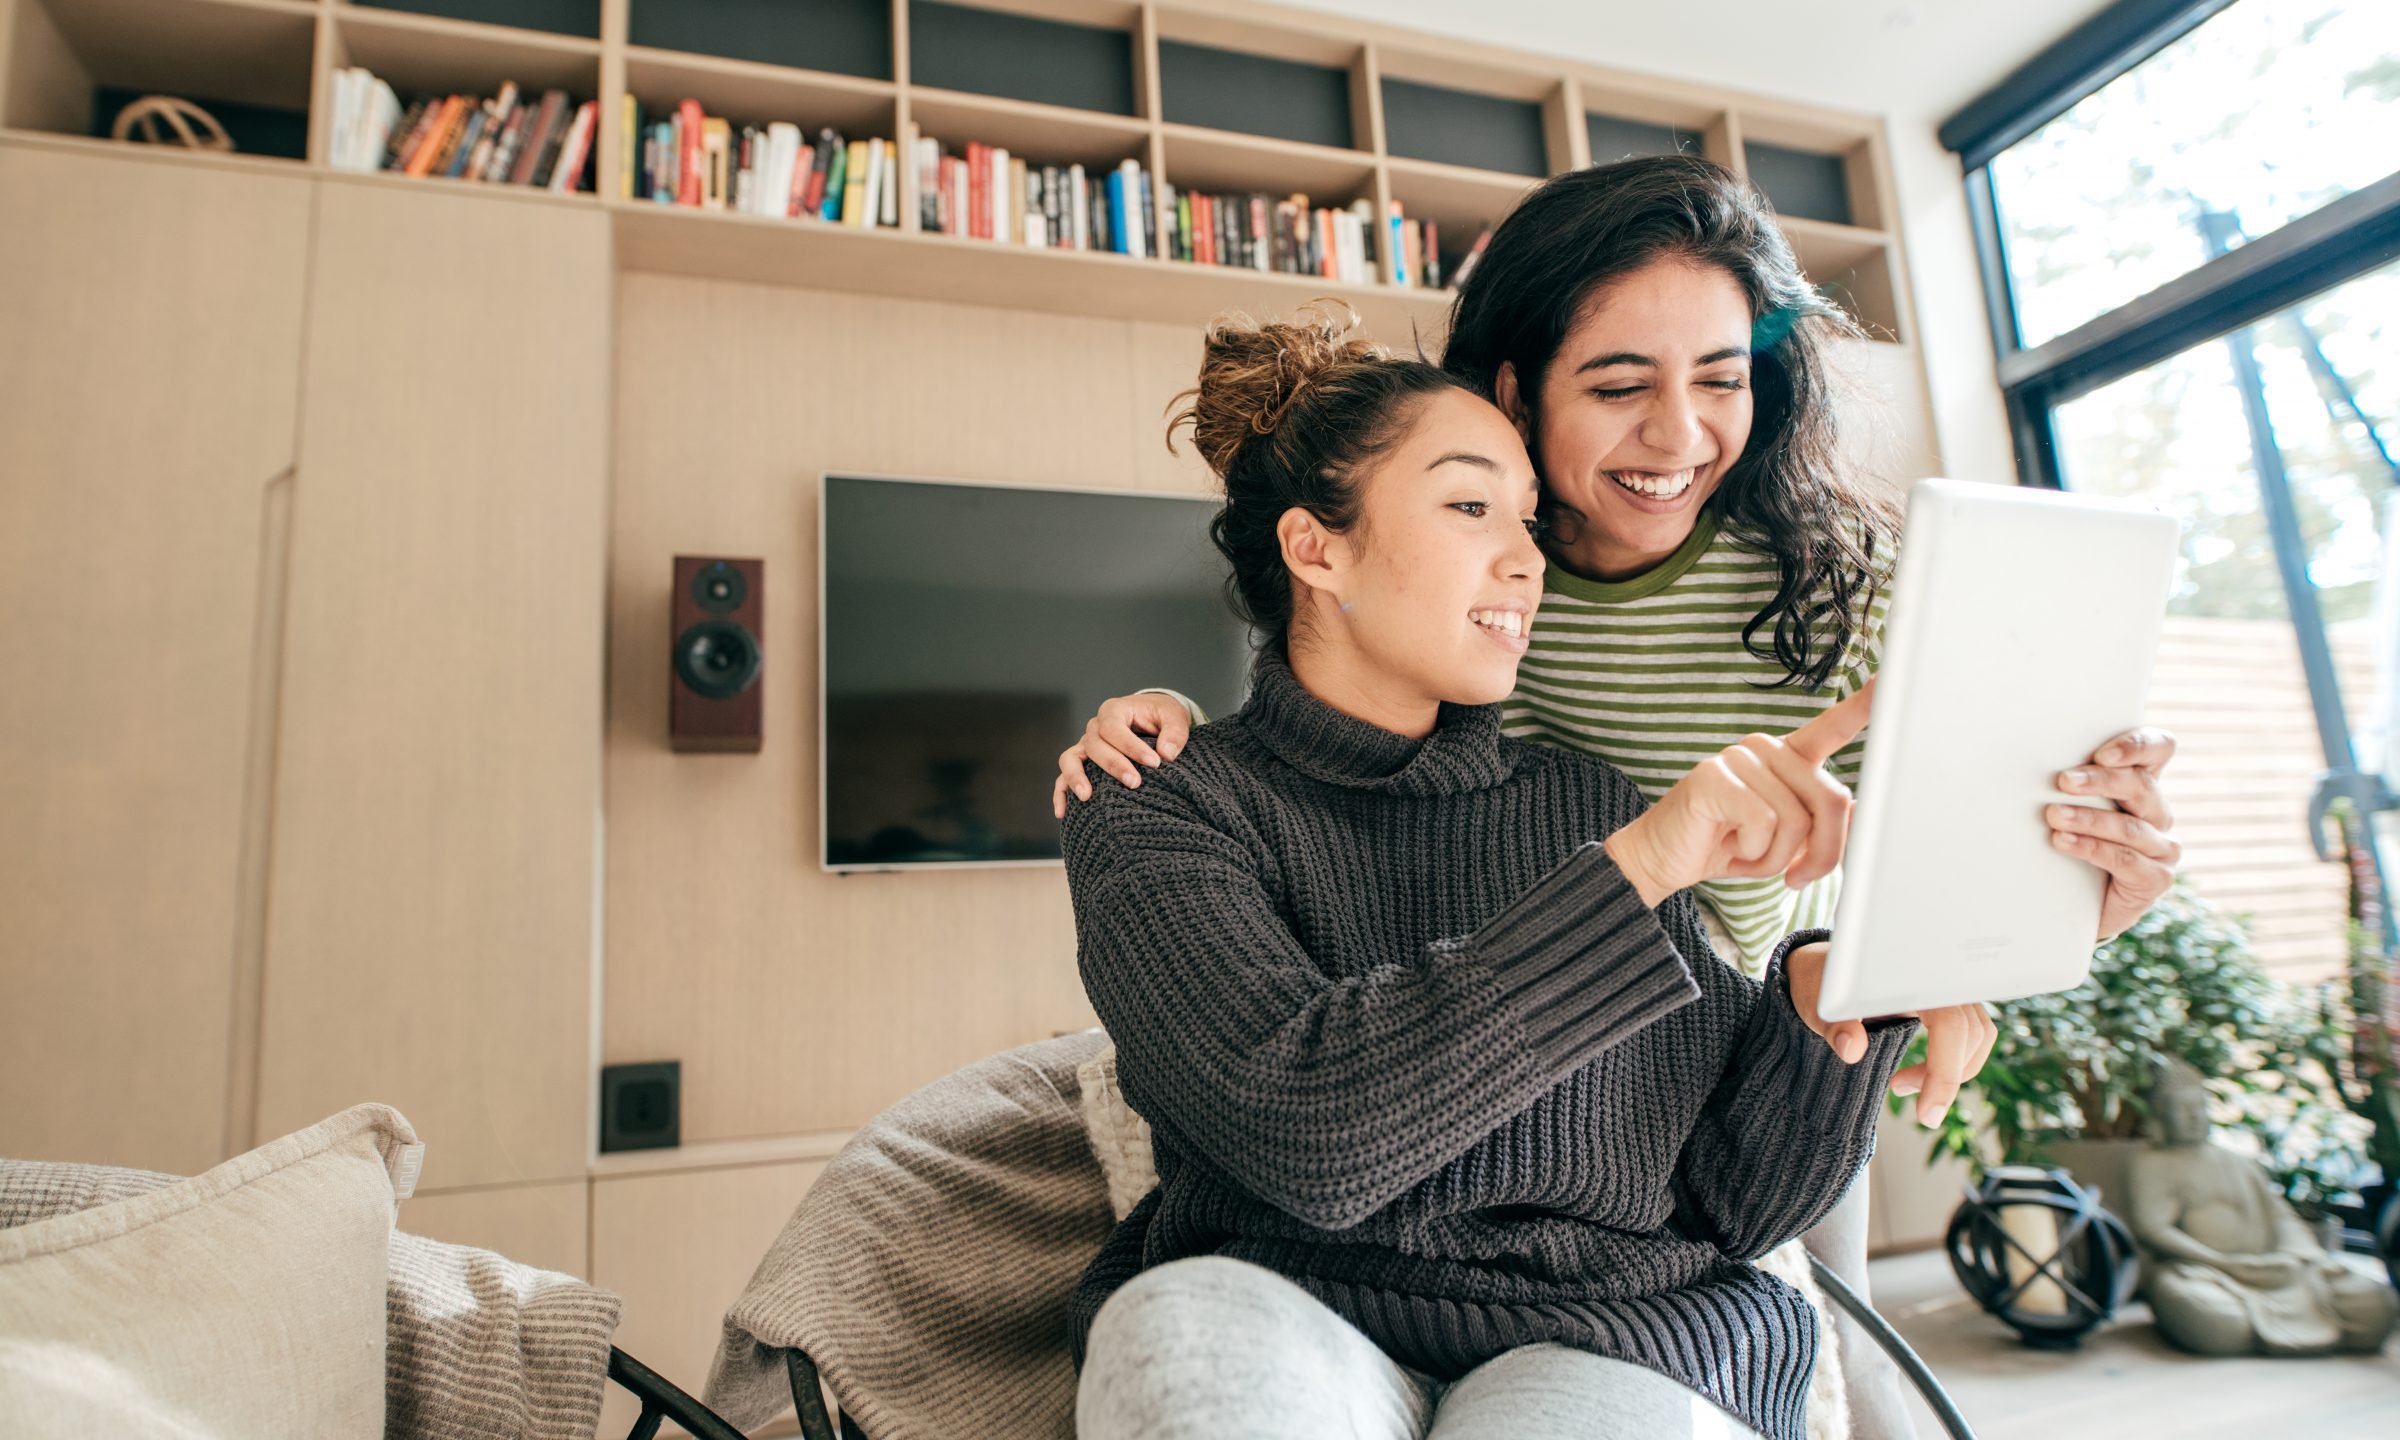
<point x="1406" y="1036"/>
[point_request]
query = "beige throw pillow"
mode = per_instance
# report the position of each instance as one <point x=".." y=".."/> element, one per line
<point x="245" y="1301"/>
<point x="1120" y="1137"/>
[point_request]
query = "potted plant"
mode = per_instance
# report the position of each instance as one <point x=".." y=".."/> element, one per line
<point x="2069" y="1076"/>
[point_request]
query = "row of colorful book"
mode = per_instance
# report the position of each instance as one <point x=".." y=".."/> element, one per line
<point x="692" y="158"/>
<point x="1259" y="232"/>
<point x="510" y="138"/>
<point x="1256" y="231"/>
<point x="988" y="194"/>
<point x="1416" y="253"/>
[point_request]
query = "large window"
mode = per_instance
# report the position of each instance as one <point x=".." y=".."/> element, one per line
<point x="2261" y="116"/>
<point x="2189" y="213"/>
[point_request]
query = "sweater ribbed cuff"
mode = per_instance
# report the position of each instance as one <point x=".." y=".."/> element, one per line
<point x="1836" y="1098"/>
<point x="1582" y="961"/>
<point x="1190" y="706"/>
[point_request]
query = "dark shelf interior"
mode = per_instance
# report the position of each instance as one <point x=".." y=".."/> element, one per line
<point x="1019" y="57"/>
<point x="1459" y="127"/>
<point x="843" y="37"/>
<point x="254" y="129"/>
<point x="558" y="17"/>
<point x="1254" y="94"/>
<point x="1614" y="137"/>
<point x="1805" y="183"/>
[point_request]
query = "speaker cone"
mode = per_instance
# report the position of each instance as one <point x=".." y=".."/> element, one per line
<point x="717" y="658"/>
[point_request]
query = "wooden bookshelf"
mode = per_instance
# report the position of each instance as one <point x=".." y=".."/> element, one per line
<point x="1453" y="131"/>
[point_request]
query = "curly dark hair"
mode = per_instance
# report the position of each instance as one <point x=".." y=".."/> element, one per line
<point x="1290" y="414"/>
<point x="1787" y="494"/>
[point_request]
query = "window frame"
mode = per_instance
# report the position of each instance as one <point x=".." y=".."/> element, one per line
<point x="2347" y="238"/>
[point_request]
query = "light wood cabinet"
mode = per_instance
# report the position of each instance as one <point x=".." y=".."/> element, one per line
<point x="430" y="938"/>
<point x="679" y="1246"/>
<point x="541" y="1225"/>
<point x="148" y="381"/>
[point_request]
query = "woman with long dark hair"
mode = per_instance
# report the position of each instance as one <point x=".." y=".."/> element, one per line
<point x="1714" y="570"/>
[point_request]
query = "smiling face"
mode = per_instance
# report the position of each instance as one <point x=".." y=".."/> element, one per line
<point x="1429" y="597"/>
<point x="1645" y="408"/>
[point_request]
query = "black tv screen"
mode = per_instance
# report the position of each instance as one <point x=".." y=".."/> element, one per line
<point x="967" y="633"/>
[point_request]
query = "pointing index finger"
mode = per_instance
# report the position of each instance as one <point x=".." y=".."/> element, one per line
<point x="1840" y="724"/>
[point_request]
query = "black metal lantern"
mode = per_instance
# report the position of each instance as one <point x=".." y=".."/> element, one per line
<point x="2036" y="1250"/>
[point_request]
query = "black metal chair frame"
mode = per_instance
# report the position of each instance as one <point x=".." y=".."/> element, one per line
<point x="662" y="1401"/>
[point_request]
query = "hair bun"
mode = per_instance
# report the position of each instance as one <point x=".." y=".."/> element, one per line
<point x="1251" y="375"/>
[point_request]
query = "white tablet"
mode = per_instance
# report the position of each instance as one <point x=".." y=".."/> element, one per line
<point x="2023" y="627"/>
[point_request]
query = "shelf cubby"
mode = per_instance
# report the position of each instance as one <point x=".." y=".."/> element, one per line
<point x="1206" y="87"/>
<point x="424" y="55"/>
<point x="1470" y="117"/>
<point x="249" y="63"/>
<point x="1039" y="134"/>
<point x="557" y="17"/>
<point x="841" y="37"/>
<point x="1812" y="171"/>
<point x="1850" y="266"/>
<point x="1804" y="184"/>
<point x="1071" y="64"/>
<point x="1216" y="162"/>
<point x="1620" y="123"/>
<point x="418" y="55"/>
<point x="1460" y="202"/>
<point x="745" y="92"/>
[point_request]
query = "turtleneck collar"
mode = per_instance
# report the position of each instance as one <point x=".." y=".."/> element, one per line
<point x="1462" y="753"/>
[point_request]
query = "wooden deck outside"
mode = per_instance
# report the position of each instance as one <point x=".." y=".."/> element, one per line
<point x="2248" y="757"/>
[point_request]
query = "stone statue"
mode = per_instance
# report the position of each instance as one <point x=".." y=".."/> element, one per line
<point x="2229" y="1269"/>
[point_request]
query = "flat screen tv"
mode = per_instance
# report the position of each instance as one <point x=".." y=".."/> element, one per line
<point x="968" y="631"/>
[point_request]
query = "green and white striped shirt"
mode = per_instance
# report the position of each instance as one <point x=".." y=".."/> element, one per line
<point x="1650" y="674"/>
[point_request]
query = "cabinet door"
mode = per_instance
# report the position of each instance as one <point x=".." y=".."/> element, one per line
<point x="430" y="924"/>
<point x="151" y="309"/>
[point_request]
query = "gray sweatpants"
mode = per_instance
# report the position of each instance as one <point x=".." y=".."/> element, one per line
<point x="1211" y="1347"/>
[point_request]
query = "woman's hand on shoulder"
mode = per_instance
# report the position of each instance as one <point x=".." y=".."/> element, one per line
<point x="1958" y="1038"/>
<point x="1114" y="741"/>
<point x="1765" y="806"/>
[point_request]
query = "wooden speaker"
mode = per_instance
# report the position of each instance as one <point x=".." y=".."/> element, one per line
<point x="713" y="664"/>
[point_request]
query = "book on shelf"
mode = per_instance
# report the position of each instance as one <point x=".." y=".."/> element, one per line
<point x="982" y="192"/>
<point x="1466" y="265"/>
<point x="685" y="156"/>
<point x="1414" y="250"/>
<point x="858" y="182"/>
<point x="1290" y="235"/>
<point x="365" y="113"/>
<point x="505" y="138"/>
<point x="691" y="135"/>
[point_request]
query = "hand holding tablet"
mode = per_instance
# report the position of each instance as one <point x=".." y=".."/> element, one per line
<point x="2024" y="626"/>
<point x="2020" y="621"/>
